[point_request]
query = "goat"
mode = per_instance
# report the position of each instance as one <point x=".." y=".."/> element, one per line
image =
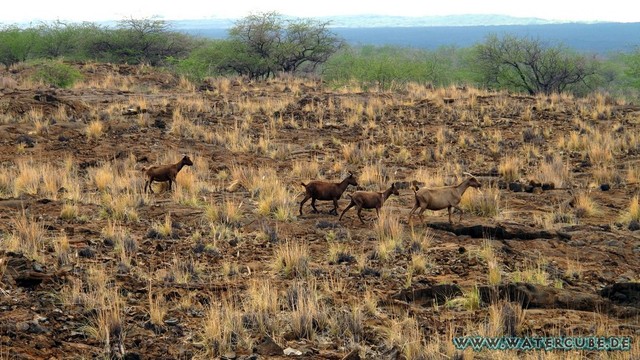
<point x="323" y="190"/>
<point x="369" y="200"/>
<point x="162" y="173"/>
<point x="442" y="197"/>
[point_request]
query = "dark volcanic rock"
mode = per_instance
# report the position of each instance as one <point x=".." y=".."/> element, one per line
<point x="634" y="225"/>
<point x="623" y="293"/>
<point x="516" y="186"/>
<point x="268" y="347"/>
<point x="499" y="232"/>
<point x="26" y="140"/>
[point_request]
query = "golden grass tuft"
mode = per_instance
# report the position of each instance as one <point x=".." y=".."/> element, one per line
<point x="291" y="259"/>
<point x="633" y="211"/>
<point x="222" y="329"/>
<point x="585" y="206"/>
<point x="485" y="202"/>
<point x="509" y="168"/>
<point x="94" y="130"/>
<point x="389" y="232"/>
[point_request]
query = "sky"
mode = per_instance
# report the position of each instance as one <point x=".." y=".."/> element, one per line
<point x="20" y="11"/>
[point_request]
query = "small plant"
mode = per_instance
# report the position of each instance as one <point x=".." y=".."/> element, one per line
<point x="469" y="300"/>
<point x="157" y="308"/>
<point x="69" y="212"/>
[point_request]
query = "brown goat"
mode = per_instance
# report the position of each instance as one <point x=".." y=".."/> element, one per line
<point x="442" y="197"/>
<point x="162" y="173"/>
<point x="369" y="200"/>
<point x="323" y="190"/>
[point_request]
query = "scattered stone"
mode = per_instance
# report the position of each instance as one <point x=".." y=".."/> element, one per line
<point x="27" y="140"/>
<point x="229" y="356"/>
<point x="268" y="347"/>
<point x="132" y="356"/>
<point x="37" y="267"/>
<point x="22" y="326"/>
<point x="548" y="186"/>
<point x="324" y="224"/>
<point x="634" y="225"/>
<point x="63" y="138"/>
<point x="159" y="123"/>
<point x="515" y="186"/>
<point x="605" y="187"/>
<point x="292" y="352"/>
<point x="87" y="252"/>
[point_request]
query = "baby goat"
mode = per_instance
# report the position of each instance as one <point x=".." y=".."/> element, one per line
<point x="442" y="197"/>
<point x="323" y="190"/>
<point x="162" y="173"/>
<point x="369" y="200"/>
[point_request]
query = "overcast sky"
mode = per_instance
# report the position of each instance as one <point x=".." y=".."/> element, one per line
<point x="14" y="11"/>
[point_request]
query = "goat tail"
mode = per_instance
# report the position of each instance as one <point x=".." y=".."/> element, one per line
<point x="303" y="184"/>
<point x="143" y="169"/>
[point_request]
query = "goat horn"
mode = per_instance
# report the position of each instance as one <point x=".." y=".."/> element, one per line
<point x="469" y="174"/>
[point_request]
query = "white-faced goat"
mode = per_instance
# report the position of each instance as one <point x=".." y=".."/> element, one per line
<point x="324" y="190"/>
<point x="369" y="200"/>
<point x="163" y="173"/>
<point x="446" y="197"/>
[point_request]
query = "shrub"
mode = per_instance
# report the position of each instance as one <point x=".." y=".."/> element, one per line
<point x="57" y="73"/>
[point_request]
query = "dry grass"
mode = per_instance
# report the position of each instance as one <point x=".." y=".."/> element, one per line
<point x="94" y="130"/>
<point x="389" y="232"/>
<point x="158" y="308"/>
<point x="585" y="206"/>
<point x="633" y="211"/>
<point x="554" y="170"/>
<point x="291" y="259"/>
<point x="222" y="329"/>
<point x="509" y="168"/>
<point x="485" y="202"/>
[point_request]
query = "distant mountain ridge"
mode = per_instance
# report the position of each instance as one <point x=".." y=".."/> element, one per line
<point x="366" y="21"/>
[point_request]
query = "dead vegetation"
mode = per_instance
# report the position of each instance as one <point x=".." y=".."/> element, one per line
<point x="93" y="266"/>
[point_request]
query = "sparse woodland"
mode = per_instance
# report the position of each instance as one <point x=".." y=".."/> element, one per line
<point x="224" y="265"/>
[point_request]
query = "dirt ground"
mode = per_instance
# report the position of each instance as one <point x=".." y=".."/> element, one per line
<point x="550" y="250"/>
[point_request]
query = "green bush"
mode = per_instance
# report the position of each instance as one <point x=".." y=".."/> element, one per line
<point x="56" y="73"/>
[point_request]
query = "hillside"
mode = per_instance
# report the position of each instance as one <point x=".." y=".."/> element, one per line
<point x="228" y="264"/>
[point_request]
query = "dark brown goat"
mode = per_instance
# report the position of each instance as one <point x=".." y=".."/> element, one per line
<point x="162" y="173"/>
<point x="446" y="197"/>
<point x="324" y="190"/>
<point x="369" y="200"/>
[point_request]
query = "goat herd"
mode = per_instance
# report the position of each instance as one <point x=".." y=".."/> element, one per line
<point x="433" y="199"/>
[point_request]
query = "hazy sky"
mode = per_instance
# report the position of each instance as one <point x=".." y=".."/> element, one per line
<point x="26" y="11"/>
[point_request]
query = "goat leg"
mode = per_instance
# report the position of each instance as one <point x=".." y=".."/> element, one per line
<point x="306" y="197"/>
<point x="360" y="215"/>
<point x="335" y="208"/>
<point x="345" y="210"/>
<point x="460" y="210"/>
<point x="313" y="205"/>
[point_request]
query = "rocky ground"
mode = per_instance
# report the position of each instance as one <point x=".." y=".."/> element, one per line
<point x="225" y="266"/>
